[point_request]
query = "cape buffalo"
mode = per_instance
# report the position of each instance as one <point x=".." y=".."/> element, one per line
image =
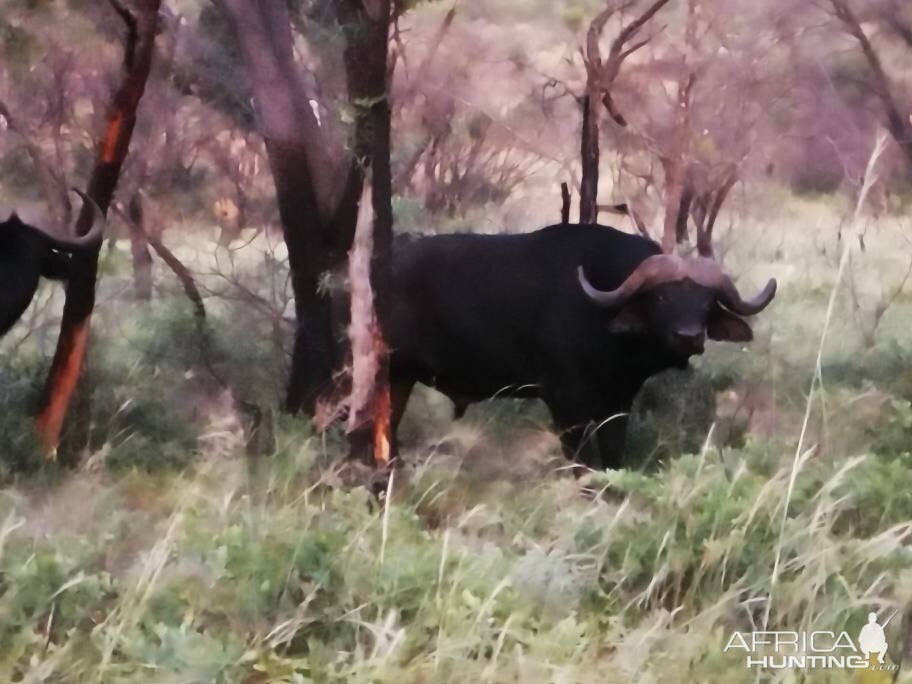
<point x="27" y="253"/>
<point x="577" y="315"/>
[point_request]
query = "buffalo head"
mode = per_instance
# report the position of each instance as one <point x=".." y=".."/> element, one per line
<point x="28" y="253"/>
<point x="679" y="302"/>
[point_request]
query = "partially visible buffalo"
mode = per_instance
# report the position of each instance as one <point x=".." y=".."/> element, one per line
<point x="578" y="315"/>
<point x="28" y="253"/>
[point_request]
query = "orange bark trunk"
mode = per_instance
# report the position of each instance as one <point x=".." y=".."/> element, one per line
<point x="64" y="379"/>
<point x="382" y="426"/>
<point x="66" y="369"/>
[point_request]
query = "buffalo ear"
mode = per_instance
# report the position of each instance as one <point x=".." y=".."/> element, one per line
<point x="628" y="321"/>
<point x="727" y="327"/>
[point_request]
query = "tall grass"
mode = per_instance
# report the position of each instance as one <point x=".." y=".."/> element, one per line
<point x="276" y="575"/>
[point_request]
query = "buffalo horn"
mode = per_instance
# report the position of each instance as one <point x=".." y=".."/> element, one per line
<point x="664" y="268"/>
<point x="84" y="242"/>
<point x="708" y="273"/>
<point x="731" y="299"/>
<point x="654" y="270"/>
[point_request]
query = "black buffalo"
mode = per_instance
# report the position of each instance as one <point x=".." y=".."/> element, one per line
<point x="28" y="253"/>
<point x="577" y="315"/>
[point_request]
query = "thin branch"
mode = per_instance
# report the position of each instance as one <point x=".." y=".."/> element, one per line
<point x="132" y="33"/>
<point x="900" y="127"/>
<point x="616" y="54"/>
<point x="55" y="187"/>
<point x="719" y="200"/>
<point x="177" y="267"/>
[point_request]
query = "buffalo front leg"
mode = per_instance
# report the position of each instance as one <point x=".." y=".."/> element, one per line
<point x="577" y="444"/>
<point x="595" y="442"/>
<point x="611" y="438"/>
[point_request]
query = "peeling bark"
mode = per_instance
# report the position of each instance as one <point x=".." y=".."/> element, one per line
<point x="366" y="30"/>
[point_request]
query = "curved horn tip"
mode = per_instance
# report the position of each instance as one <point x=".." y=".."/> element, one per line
<point x="769" y="291"/>
<point x="589" y="290"/>
<point x="85" y="197"/>
<point x="92" y="239"/>
<point x="583" y="280"/>
<point x="100" y="214"/>
<point x="763" y="299"/>
<point x="584" y="283"/>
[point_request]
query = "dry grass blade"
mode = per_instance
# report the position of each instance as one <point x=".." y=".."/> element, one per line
<point x="817" y="378"/>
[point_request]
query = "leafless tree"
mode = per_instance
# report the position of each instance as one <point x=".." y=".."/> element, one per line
<point x="898" y="123"/>
<point x="600" y="77"/>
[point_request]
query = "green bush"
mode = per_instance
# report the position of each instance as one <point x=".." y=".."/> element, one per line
<point x="672" y="415"/>
<point x="20" y="385"/>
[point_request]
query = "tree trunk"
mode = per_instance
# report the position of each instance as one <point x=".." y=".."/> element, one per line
<point x="711" y="203"/>
<point x="674" y="193"/>
<point x="312" y="360"/>
<point x="66" y="369"/>
<point x="317" y="201"/>
<point x="687" y="197"/>
<point x="318" y="193"/>
<point x="366" y="29"/>
<point x="589" y="154"/>
<point x="565" y="203"/>
<point x="139" y="249"/>
<point x="381" y="261"/>
<point x="675" y="165"/>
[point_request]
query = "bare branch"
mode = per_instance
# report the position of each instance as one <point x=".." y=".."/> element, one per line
<point x="900" y="127"/>
<point x="600" y="78"/>
<point x="613" y="111"/>
<point x="617" y="54"/>
<point x="594" y="34"/>
<point x="633" y="48"/>
<point x="132" y="32"/>
<point x="720" y="196"/>
<point x="55" y="187"/>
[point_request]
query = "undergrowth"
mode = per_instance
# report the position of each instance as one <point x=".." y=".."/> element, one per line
<point x="276" y="574"/>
